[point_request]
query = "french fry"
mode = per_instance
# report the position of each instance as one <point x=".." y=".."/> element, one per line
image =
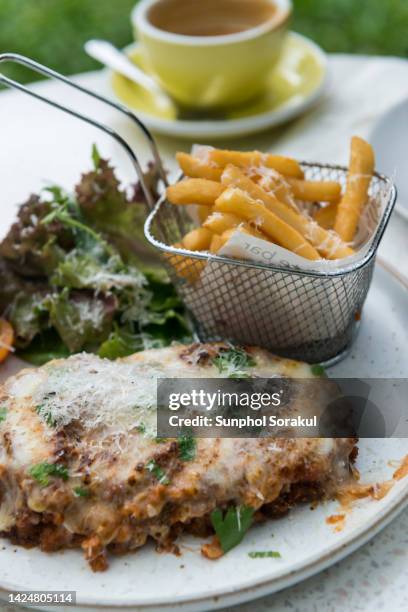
<point x="238" y="202"/>
<point x="186" y="267"/>
<point x="283" y="192"/>
<point x="203" y="213"/>
<point x="228" y="233"/>
<point x="222" y="240"/>
<point x="199" y="239"/>
<point x="195" y="168"/>
<point x="361" y="170"/>
<point x="285" y="165"/>
<point x="327" y="244"/>
<point x="245" y="228"/>
<point x="220" y="222"/>
<point x="194" y="191"/>
<point x="217" y="243"/>
<point x="252" y="231"/>
<point x="315" y="191"/>
<point x="271" y="182"/>
<point x="279" y="187"/>
<point x="6" y="339"/>
<point x="235" y="177"/>
<point x="286" y="189"/>
<point x="326" y="215"/>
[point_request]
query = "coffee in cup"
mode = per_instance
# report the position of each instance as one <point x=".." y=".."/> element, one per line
<point x="210" y="17"/>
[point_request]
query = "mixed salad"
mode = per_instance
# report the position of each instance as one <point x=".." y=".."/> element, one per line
<point x="78" y="275"/>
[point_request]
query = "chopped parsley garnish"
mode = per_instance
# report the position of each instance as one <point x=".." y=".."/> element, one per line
<point x="158" y="472"/>
<point x="42" y="472"/>
<point x="45" y="415"/>
<point x="141" y="428"/>
<point x="187" y="448"/>
<point x="318" y="370"/>
<point x="3" y="413"/>
<point x="264" y="554"/>
<point x="81" y="492"/>
<point x="232" y="527"/>
<point x="234" y="362"/>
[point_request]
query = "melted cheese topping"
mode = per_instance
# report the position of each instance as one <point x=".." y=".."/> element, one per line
<point x="98" y="392"/>
<point x="121" y="396"/>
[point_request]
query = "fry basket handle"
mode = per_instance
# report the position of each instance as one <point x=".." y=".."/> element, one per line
<point x="39" y="68"/>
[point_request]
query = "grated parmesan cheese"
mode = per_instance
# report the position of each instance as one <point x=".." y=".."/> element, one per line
<point x="98" y="393"/>
<point x="202" y="153"/>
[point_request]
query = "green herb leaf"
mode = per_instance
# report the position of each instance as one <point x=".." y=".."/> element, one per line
<point x="231" y="528"/>
<point x="158" y="472"/>
<point x="96" y="158"/>
<point x="3" y="413"/>
<point x="42" y="472"/>
<point x="141" y="428"/>
<point x="264" y="554"/>
<point x="234" y="362"/>
<point x="187" y="448"/>
<point x="318" y="370"/>
<point x="45" y="415"/>
<point x="58" y="194"/>
<point x="61" y="214"/>
<point x="81" y="492"/>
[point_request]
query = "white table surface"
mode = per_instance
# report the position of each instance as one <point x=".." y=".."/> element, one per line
<point x="361" y="90"/>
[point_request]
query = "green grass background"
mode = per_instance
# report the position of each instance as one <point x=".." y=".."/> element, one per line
<point x="53" y="31"/>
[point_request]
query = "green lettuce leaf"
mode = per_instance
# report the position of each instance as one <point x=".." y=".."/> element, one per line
<point x="89" y="271"/>
<point x="32" y="247"/>
<point x="82" y="320"/>
<point x="70" y="278"/>
<point x="28" y="317"/>
<point x="46" y="346"/>
<point x="121" y="343"/>
<point x="118" y="215"/>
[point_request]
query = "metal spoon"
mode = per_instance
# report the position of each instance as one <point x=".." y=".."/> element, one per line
<point x="106" y="53"/>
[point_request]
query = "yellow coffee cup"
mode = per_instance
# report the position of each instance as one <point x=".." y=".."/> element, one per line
<point x="205" y="70"/>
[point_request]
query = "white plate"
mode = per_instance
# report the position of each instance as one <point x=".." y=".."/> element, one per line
<point x="149" y="581"/>
<point x="390" y="141"/>
<point x="295" y="84"/>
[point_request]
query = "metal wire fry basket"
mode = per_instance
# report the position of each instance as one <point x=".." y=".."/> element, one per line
<point x="311" y="316"/>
